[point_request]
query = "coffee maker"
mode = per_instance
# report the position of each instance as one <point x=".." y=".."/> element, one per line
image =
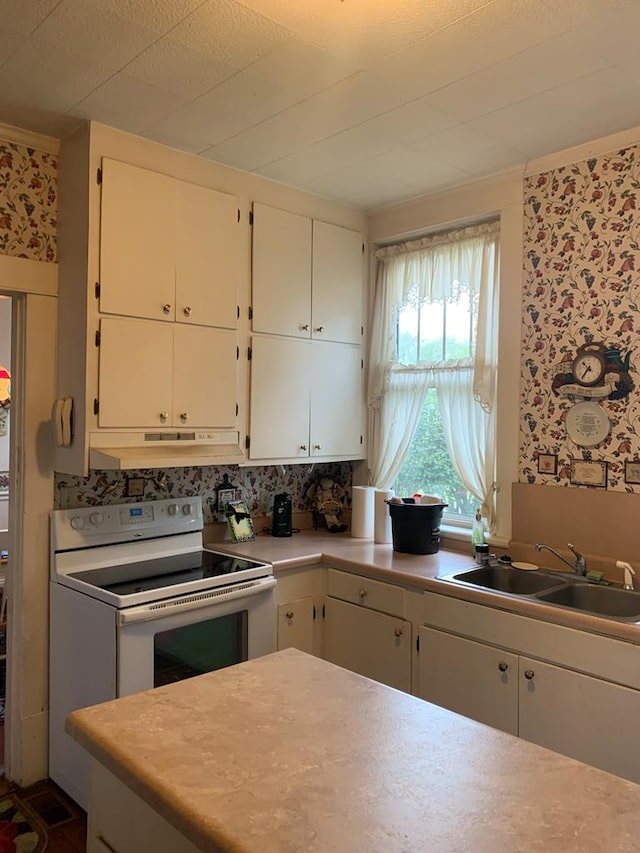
<point x="281" y="515"/>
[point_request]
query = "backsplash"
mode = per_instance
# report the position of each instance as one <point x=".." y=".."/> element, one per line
<point x="28" y="202"/>
<point x="581" y="261"/>
<point x="258" y="485"/>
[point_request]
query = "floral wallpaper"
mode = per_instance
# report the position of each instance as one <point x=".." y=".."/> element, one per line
<point x="28" y="202"/>
<point x="257" y="485"/>
<point x="581" y="287"/>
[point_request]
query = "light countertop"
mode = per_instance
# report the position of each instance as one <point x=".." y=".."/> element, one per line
<point x="423" y="572"/>
<point x="291" y="753"/>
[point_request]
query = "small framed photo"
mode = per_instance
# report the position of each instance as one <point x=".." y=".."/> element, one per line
<point x="632" y="471"/>
<point x="225" y="496"/>
<point x="547" y="463"/>
<point x="135" y="487"/>
<point x="585" y="472"/>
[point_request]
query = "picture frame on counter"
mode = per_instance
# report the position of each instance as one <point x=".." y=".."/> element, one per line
<point x="547" y="463"/>
<point x="632" y="471"/>
<point x="586" y="472"/>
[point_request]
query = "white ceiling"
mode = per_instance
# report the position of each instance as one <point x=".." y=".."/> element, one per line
<point x="364" y="101"/>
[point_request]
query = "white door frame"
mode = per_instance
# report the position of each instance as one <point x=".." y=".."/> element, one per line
<point x="34" y="287"/>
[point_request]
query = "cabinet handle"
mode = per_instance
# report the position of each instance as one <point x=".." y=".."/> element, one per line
<point x="303" y="447"/>
<point x="187" y="311"/>
<point x="502" y="666"/>
<point x="317" y="447"/>
<point x="363" y="593"/>
<point x="289" y="614"/>
<point x="184" y="416"/>
<point x="397" y="632"/>
<point x="164" y="416"/>
<point x="528" y="674"/>
<point x="319" y="329"/>
<point x="304" y="328"/>
<point x="166" y="308"/>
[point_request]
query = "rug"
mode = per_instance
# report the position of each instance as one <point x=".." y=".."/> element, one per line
<point x="20" y="831"/>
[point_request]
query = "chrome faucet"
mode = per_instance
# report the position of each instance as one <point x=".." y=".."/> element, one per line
<point x="580" y="565"/>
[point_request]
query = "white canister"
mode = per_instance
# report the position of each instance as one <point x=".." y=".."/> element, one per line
<point x="362" y="512"/>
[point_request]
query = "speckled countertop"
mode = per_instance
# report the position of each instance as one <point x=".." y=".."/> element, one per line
<point x="423" y="572"/>
<point x="290" y="753"/>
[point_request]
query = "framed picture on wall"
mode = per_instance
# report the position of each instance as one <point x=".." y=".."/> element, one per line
<point x="547" y="463"/>
<point x="4" y="483"/>
<point x="632" y="471"/>
<point x="585" y="472"/>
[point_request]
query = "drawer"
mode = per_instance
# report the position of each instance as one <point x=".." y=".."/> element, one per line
<point x="375" y="595"/>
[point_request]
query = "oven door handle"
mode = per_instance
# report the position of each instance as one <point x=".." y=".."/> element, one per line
<point x="196" y="600"/>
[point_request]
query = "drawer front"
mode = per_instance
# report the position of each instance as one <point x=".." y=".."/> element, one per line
<point x="374" y="595"/>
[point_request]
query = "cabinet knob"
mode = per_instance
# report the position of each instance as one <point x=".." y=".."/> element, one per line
<point x="528" y="674"/>
<point x="317" y="447"/>
<point x="187" y="311"/>
<point x="319" y="329"/>
<point x="502" y="666"/>
<point x="164" y="416"/>
<point x="303" y="447"/>
<point x="289" y="614"/>
<point x="363" y="593"/>
<point x="166" y="308"/>
<point x="397" y="632"/>
<point x="184" y="416"/>
<point x="304" y="328"/>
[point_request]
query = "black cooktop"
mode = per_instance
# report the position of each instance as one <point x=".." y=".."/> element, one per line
<point x="164" y="572"/>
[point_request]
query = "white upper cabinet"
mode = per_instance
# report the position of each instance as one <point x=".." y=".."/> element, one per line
<point x="336" y="400"/>
<point x="281" y="258"/>
<point x="169" y="249"/>
<point x="307" y="277"/>
<point x="336" y="283"/>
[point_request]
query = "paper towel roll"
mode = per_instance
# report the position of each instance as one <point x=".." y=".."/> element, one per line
<point x="382" y="527"/>
<point x="362" y="512"/>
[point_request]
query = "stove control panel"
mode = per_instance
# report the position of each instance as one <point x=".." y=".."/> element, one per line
<point x="88" y="526"/>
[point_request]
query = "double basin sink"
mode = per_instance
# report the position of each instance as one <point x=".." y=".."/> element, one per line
<point x="560" y="590"/>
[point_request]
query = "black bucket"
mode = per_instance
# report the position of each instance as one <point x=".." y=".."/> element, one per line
<point x="416" y="527"/>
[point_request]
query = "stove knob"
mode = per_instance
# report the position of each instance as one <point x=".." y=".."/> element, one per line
<point x="96" y="518"/>
<point x="77" y="522"/>
<point x="186" y="509"/>
<point x="173" y="509"/>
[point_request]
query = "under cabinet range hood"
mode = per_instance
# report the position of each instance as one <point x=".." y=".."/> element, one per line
<point x="175" y="449"/>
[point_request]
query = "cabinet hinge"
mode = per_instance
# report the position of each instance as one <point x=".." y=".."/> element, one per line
<point x="249" y="353"/>
<point x="251" y="217"/>
<point x="96" y="406"/>
<point x="238" y="312"/>
<point x="238" y="214"/>
<point x="237" y="409"/>
<point x="251" y="312"/>
<point x="98" y="338"/>
<point x="247" y="442"/>
<point x="314" y="613"/>
<point x="418" y="644"/>
<point x="363" y="248"/>
<point x="361" y="440"/>
<point x="362" y="364"/>
<point x="323" y="611"/>
<point x="99" y="176"/>
<point x="97" y="290"/>
<point x="237" y="353"/>
<point x="361" y="331"/>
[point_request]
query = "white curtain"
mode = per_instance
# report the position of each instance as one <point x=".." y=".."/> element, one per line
<point x="435" y="266"/>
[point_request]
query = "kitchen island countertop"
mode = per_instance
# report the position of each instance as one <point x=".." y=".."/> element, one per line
<point x="291" y="753"/>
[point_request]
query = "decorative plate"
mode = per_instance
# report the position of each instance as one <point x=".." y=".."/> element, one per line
<point x="587" y="424"/>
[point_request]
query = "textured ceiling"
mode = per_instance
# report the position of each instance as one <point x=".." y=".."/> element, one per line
<point x="365" y="101"/>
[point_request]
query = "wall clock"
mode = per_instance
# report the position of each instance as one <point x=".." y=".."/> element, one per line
<point x="589" y="365"/>
<point x="587" y="424"/>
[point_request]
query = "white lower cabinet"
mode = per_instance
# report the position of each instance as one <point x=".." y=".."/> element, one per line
<point x="573" y="713"/>
<point x="367" y="642"/>
<point x="295" y="624"/>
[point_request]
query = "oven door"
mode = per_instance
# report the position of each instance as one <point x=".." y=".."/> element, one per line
<point x="171" y="640"/>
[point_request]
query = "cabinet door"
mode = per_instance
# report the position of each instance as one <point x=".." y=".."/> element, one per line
<point x="137" y="242"/>
<point x="281" y="275"/>
<point x="469" y="678"/>
<point x="336" y="400"/>
<point x="135" y="373"/>
<point x="207" y="256"/>
<point x="295" y="625"/>
<point x="580" y="716"/>
<point x="204" y="377"/>
<point x="336" y="307"/>
<point x="280" y="394"/>
<point x="369" y="643"/>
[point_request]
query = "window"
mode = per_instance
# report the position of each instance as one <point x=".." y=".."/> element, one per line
<point x="433" y="369"/>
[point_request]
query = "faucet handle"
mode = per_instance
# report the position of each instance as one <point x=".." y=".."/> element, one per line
<point x="581" y="563"/>
<point x="629" y="574"/>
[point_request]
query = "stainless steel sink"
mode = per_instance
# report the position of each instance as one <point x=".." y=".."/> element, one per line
<point x="602" y="600"/>
<point x="507" y="579"/>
